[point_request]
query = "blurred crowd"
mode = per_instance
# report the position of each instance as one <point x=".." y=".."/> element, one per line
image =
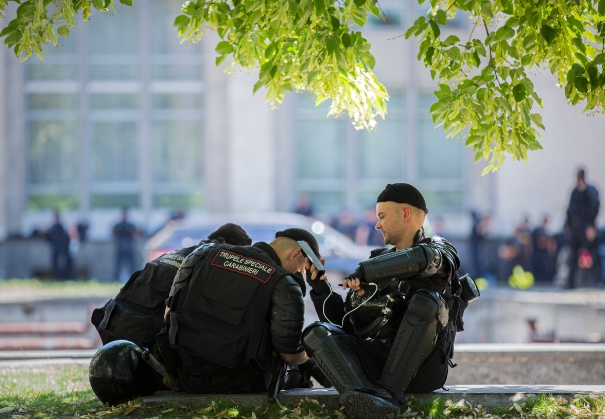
<point x="566" y="257"/>
<point x="572" y="256"/>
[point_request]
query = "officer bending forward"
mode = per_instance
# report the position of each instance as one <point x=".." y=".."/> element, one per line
<point x="235" y="317"/>
<point x="391" y="334"/>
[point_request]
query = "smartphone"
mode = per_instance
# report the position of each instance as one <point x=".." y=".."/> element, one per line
<point x="307" y="252"/>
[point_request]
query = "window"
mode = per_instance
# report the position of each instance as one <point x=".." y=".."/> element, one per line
<point x="341" y="168"/>
<point x="52" y="150"/>
<point x="97" y="140"/>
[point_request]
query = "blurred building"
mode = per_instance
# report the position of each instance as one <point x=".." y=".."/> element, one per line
<point x="124" y="115"/>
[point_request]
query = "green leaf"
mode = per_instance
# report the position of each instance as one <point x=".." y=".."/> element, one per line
<point x="519" y="92"/>
<point x="486" y="10"/>
<point x="450" y="40"/>
<point x="320" y="7"/>
<point x="257" y="86"/>
<point x="330" y="45"/>
<point x="63" y="30"/>
<point x="601" y="7"/>
<point x="476" y="58"/>
<point x="505" y="33"/>
<point x="224" y="47"/>
<point x="335" y="23"/>
<point x="537" y="119"/>
<point x="435" y="28"/>
<point x="429" y="55"/>
<point x="126" y="2"/>
<point x="577" y="69"/>
<point x="548" y="33"/>
<point x="270" y="50"/>
<point x="99" y="4"/>
<point x="220" y="59"/>
<point x="441" y="17"/>
<point x="346" y="40"/>
<point x="359" y="3"/>
<point x="581" y="84"/>
<point x="369" y="60"/>
<point x="181" y="20"/>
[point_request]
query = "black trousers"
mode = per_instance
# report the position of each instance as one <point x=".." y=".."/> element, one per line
<point x="431" y="375"/>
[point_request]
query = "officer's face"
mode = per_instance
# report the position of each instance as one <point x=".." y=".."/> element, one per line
<point x="390" y="222"/>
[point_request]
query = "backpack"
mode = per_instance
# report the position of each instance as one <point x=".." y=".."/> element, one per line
<point x="137" y="312"/>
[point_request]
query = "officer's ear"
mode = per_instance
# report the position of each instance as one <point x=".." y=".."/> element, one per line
<point x="295" y="254"/>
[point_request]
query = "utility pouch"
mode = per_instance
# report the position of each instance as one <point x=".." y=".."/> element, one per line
<point x="207" y="338"/>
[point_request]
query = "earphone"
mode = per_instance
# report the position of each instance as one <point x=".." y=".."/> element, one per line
<point x="349" y="312"/>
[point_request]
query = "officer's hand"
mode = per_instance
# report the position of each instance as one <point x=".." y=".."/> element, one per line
<point x="314" y="270"/>
<point x="354" y="284"/>
<point x="319" y="286"/>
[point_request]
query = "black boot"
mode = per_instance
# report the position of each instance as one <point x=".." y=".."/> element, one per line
<point x="369" y="404"/>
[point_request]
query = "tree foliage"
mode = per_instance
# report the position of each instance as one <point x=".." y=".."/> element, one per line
<point x="485" y="93"/>
<point x="485" y="87"/>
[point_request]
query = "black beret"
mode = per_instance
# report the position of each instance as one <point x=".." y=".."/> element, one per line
<point x="300" y="234"/>
<point x="403" y="193"/>
<point x="231" y="234"/>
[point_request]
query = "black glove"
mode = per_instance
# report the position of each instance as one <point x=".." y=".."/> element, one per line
<point x="310" y="369"/>
<point x="318" y="286"/>
<point x="357" y="273"/>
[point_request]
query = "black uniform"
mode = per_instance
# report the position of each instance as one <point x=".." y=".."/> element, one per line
<point x="230" y="316"/>
<point x="416" y="356"/>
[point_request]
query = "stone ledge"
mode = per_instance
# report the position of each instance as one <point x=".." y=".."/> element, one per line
<point x="485" y="395"/>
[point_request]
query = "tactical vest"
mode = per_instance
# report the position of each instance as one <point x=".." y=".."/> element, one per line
<point x="222" y="315"/>
<point x="137" y="312"/>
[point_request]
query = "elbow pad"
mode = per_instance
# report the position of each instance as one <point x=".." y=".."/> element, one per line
<point x="288" y="316"/>
<point x="420" y="259"/>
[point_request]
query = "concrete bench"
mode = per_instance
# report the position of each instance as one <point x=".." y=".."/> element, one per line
<point x="42" y="327"/>
<point x="484" y="395"/>
<point x="48" y="343"/>
<point x="45" y="336"/>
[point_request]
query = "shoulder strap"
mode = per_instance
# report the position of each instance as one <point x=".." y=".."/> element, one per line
<point x="186" y="268"/>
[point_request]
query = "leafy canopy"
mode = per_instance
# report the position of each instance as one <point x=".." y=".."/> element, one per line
<point x="485" y="93"/>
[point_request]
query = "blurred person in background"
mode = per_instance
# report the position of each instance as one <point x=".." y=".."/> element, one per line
<point x="345" y="223"/>
<point x="480" y="228"/>
<point x="543" y="252"/>
<point x="303" y="206"/>
<point x="61" y="260"/>
<point x="124" y="235"/>
<point x="582" y="211"/>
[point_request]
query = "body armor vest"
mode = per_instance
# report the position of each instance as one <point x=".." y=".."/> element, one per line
<point x="222" y="315"/>
<point x="137" y="312"/>
<point x="380" y="316"/>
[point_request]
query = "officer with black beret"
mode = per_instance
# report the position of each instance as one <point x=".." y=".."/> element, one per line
<point x="394" y="331"/>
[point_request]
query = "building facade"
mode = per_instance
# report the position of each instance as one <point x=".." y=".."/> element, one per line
<point x="123" y="114"/>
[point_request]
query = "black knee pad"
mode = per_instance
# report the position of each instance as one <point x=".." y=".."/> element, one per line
<point x="426" y="306"/>
<point x="316" y="334"/>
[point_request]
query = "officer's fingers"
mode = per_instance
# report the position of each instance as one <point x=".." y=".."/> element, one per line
<point x="345" y="284"/>
<point x="307" y="264"/>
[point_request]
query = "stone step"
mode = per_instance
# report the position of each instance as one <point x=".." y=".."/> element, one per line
<point x="484" y="395"/>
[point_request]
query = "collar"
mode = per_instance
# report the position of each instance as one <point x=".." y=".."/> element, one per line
<point x="269" y="250"/>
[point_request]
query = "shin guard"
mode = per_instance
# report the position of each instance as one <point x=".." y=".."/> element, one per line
<point x="426" y="316"/>
<point x="326" y="344"/>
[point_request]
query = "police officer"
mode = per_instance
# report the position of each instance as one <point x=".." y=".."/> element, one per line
<point x="137" y="312"/>
<point x="235" y="316"/>
<point x="392" y="333"/>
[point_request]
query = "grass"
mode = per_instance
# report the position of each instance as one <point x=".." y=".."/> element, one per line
<point x="63" y="289"/>
<point x="64" y="392"/>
